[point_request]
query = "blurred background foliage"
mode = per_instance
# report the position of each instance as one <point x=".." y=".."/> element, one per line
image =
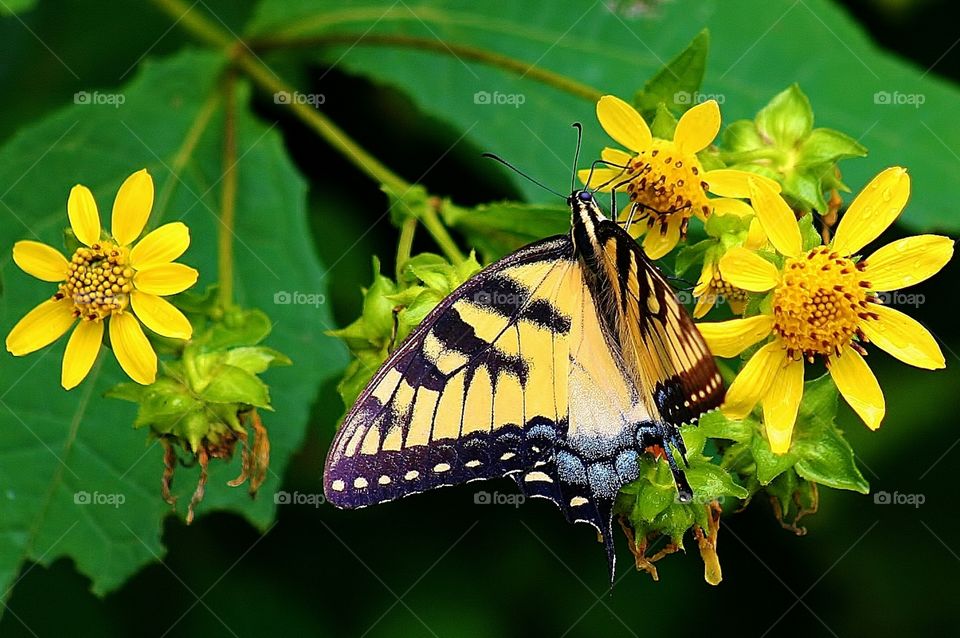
<point x="438" y="564"/>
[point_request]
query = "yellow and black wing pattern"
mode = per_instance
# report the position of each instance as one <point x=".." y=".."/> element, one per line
<point x="557" y="365"/>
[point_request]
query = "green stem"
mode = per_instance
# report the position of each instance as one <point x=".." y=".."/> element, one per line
<point x="211" y="33"/>
<point x="460" y="51"/>
<point x="405" y="244"/>
<point x="228" y="204"/>
<point x="431" y="221"/>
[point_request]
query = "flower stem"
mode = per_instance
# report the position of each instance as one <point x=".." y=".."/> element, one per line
<point x="190" y="18"/>
<point x="460" y="51"/>
<point x="228" y="203"/>
<point x="431" y="221"/>
<point x="405" y="244"/>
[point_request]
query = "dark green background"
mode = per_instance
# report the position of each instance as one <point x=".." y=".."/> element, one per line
<point x="467" y="570"/>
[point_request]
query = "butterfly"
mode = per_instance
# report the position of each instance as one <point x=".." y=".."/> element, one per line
<point x="558" y="365"/>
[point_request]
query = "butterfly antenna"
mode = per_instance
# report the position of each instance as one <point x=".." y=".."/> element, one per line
<point x="522" y="174"/>
<point x="576" y="157"/>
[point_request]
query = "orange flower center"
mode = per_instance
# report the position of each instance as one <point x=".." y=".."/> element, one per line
<point x="818" y="305"/>
<point x="665" y="183"/>
<point x="99" y="281"/>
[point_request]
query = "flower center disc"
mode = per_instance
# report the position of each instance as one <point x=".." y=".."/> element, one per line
<point x="665" y="182"/>
<point x="99" y="281"/>
<point x="819" y="303"/>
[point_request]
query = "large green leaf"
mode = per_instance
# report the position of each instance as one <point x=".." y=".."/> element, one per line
<point x="758" y="48"/>
<point x="56" y="445"/>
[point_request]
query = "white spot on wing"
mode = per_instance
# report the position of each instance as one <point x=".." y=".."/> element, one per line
<point x="360" y="482"/>
<point x="537" y="476"/>
<point x="577" y="501"/>
<point x="384" y="480"/>
<point x="441" y="467"/>
<point x="473" y="463"/>
<point x="411" y="475"/>
<point x="338" y="485"/>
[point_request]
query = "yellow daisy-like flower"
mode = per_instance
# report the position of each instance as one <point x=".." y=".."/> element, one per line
<point x="664" y="179"/>
<point x="712" y="288"/>
<point x="824" y="304"/>
<point x="107" y="280"/>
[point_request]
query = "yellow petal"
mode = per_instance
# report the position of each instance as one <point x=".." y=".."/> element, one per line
<point x="776" y="217"/>
<point x="729" y="182"/>
<point x="132" y="349"/>
<point x="706" y="277"/>
<point x="616" y="156"/>
<point x="40" y="260"/>
<point x="727" y="206"/>
<point x="602" y="179"/>
<point x="160" y="246"/>
<point x="160" y="315"/>
<point x="730" y="338"/>
<point x="81" y="352"/>
<point x="705" y="303"/>
<point x="903" y="337"/>
<point x="747" y="270"/>
<point x="907" y="261"/>
<point x="168" y="279"/>
<point x="858" y="386"/>
<point x="756" y="238"/>
<point x="780" y="406"/>
<point x="754" y="380"/>
<point x="872" y="211"/>
<point x="83" y="215"/>
<point x="131" y="208"/>
<point x="657" y="244"/>
<point x="697" y="127"/>
<point x="622" y="122"/>
<point x="41" y="326"/>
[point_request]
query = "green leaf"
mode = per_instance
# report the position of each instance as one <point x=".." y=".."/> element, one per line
<point x="851" y="86"/>
<point x="690" y="256"/>
<point x="68" y="443"/>
<point x="15" y="7"/>
<point x="787" y="118"/>
<point x="677" y="85"/>
<point x="501" y="228"/>
<point x="717" y="426"/>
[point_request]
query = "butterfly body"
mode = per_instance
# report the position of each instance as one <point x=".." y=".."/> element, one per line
<point x="558" y="365"/>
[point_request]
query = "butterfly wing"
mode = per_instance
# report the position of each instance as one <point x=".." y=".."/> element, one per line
<point x="656" y="333"/>
<point x="477" y="391"/>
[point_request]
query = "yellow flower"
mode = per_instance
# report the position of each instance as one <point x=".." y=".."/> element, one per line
<point x="107" y="281"/>
<point x="823" y="303"/>
<point x="664" y="179"/>
<point x="712" y="288"/>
